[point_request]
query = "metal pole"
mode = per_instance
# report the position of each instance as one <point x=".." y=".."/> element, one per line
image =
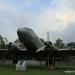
<point x="48" y="37"/>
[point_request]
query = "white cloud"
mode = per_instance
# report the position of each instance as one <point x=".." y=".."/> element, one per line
<point x="55" y="20"/>
<point x="11" y="18"/>
<point x="50" y="19"/>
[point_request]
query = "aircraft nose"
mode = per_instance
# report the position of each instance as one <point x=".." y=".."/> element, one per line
<point x="19" y="30"/>
<point x="22" y="31"/>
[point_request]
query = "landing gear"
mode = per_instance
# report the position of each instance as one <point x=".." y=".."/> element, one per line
<point x="15" y="61"/>
<point x="50" y="63"/>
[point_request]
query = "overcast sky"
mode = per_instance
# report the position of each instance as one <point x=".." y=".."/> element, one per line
<point x="54" y="16"/>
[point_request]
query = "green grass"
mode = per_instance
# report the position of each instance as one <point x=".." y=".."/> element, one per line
<point x="8" y="70"/>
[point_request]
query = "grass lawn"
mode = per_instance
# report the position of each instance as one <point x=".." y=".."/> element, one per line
<point x="8" y="70"/>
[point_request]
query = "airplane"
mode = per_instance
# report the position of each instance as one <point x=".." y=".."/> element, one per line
<point x="35" y="49"/>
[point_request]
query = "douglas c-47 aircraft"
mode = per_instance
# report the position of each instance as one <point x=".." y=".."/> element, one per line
<point x="35" y="49"/>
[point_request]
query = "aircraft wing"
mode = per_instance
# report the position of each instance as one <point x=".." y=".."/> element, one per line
<point x="41" y="49"/>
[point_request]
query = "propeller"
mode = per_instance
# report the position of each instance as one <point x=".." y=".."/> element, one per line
<point x="41" y="49"/>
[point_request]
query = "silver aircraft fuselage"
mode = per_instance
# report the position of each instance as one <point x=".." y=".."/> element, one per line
<point x="29" y="39"/>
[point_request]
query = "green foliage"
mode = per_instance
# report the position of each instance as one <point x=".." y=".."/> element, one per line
<point x="59" y="43"/>
<point x="71" y="45"/>
<point x="2" y="43"/>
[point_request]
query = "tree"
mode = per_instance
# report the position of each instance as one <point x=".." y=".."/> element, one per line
<point x="6" y="40"/>
<point x="71" y="45"/>
<point x="59" y="43"/>
<point x="2" y="43"/>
